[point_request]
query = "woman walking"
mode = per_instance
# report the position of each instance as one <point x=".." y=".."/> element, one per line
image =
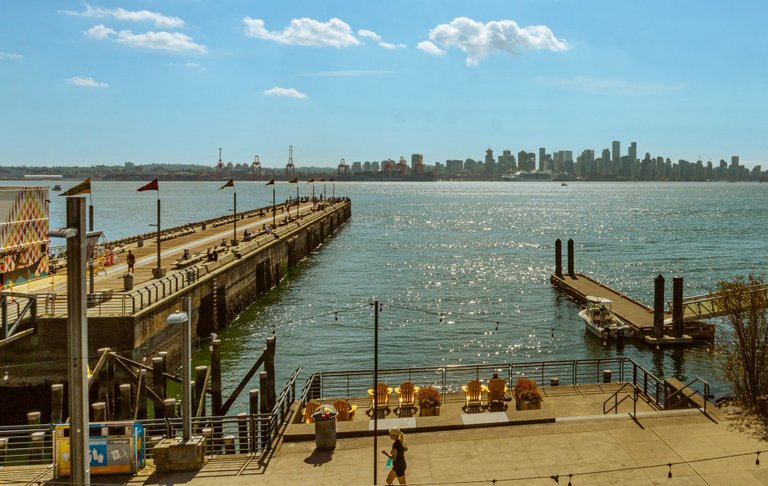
<point x="397" y="454"/>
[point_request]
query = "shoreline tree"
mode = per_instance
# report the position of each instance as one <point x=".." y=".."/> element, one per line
<point x="744" y="302"/>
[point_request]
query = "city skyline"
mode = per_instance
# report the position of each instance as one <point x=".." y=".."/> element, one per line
<point x="170" y="81"/>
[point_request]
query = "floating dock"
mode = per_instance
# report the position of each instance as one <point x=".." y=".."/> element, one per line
<point x="654" y="326"/>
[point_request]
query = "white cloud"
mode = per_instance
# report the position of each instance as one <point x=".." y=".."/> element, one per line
<point x="128" y="15"/>
<point x="369" y="34"/>
<point x="195" y="66"/>
<point x="616" y="87"/>
<point x="87" y="82"/>
<point x="430" y="48"/>
<point x="10" y="56"/>
<point x="387" y="45"/>
<point x="167" y="41"/>
<point x="99" y="32"/>
<point x="305" y="32"/>
<point x="480" y="40"/>
<point x="287" y="92"/>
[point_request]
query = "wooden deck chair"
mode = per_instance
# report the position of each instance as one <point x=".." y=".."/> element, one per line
<point x="473" y="394"/>
<point x="345" y="411"/>
<point x="497" y="390"/>
<point x="309" y="409"/>
<point x="406" y="396"/>
<point x="382" y="392"/>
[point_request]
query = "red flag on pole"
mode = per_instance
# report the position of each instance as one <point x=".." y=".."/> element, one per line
<point x="152" y="186"/>
<point x="230" y="183"/>
<point x="270" y="183"/>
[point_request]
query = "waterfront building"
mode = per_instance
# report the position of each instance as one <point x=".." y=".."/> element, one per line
<point x="542" y="159"/>
<point x="490" y="162"/>
<point x="616" y="146"/>
<point x="357" y="167"/>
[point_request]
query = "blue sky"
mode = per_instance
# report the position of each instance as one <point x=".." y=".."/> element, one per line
<point x="173" y="80"/>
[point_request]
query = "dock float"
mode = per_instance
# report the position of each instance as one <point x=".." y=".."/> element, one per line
<point x="654" y="326"/>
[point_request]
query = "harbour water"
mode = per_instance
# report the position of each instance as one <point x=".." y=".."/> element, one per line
<point x="462" y="269"/>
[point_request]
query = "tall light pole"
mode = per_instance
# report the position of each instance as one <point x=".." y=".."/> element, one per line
<point x="185" y="319"/>
<point x="375" y="389"/>
<point x="77" y="339"/>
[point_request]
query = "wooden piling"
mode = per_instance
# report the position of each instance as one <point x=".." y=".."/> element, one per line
<point x="216" y="377"/>
<point x="125" y="402"/>
<point x="658" y="307"/>
<point x="677" y="306"/>
<point x="558" y="257"/>
<point x="229" y="444"/>
<point x="570" y="257"/>
<point x="33" y="418"/>
<point x="263" y="396"/>
<point x="3" y="450"/>
<point x="269" y="367"/>
<point x="37" y="446"/>
<point x="142" y="396"/>
<point x="158" y="384"/>
<point x="201" y="373"/>
<point x="99" y="411"/>
<point x="253" y="396"/>
<point x="57" y="403"/>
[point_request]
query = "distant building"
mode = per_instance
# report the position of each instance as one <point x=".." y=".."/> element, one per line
<point x="453" y="167"/>
<point x="542" y="158"/>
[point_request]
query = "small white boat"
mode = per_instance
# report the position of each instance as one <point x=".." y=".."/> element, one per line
<point x="600" y="320"/>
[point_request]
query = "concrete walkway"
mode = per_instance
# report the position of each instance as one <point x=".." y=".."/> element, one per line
<point x="594" y="449"/>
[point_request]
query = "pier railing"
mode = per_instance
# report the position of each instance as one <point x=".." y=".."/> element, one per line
<point x="448" y="379"/>
<point x="245" y="433"/>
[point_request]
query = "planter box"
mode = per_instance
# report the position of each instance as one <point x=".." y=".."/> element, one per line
<point x="429" y="411"/>
<point x="526" y="405"/>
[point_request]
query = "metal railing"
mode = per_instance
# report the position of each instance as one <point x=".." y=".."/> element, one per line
<point x="351" y="384"/>
<point x="688" y="392"/>
<point x="244" y="433"/>
<point x="26" y="444"/>
<point x="120" y="304"/>
<point x="634" y="396"/>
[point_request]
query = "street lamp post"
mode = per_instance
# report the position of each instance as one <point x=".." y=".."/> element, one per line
<point x="185" y="319"/>
<point x="77" y="337"/>
<point x="375" y="389"/>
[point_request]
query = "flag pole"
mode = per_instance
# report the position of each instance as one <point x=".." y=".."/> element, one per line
<point x="158" y="230"/>
<point x="298" y="203"/>
<point x="273" y="205"/>
<point x="234" y="210"/>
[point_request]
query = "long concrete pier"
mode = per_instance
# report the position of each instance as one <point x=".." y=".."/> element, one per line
<point x="133" y="322"/>
<point x="652" y="325"/>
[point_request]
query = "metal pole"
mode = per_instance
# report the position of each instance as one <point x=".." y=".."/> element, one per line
<point x="186" y="356"/>
<point x="77" y="332"/>
<point x="234" y="210"/>
<point x="298" y="203"/>
<point x="273" y="206"/>
<point x="90" y="260"/>
<point x="158" y="229"/>
<point x="375" y="388"/>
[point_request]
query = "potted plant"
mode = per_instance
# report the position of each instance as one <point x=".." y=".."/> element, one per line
<point x="527" y="394"/>
<point x="429" y="401"/>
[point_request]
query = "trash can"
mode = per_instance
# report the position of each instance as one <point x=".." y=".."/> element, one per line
<point x="128" y="281"/>
<point x="325" y="427"/>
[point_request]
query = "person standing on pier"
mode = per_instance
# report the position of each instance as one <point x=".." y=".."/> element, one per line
<point x="130" y="259"/>
<point x="397" y="454"/>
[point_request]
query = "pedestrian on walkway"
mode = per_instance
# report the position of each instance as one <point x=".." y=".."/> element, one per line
<point x="397" y="454"/>
<point x="130" y="259"/>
